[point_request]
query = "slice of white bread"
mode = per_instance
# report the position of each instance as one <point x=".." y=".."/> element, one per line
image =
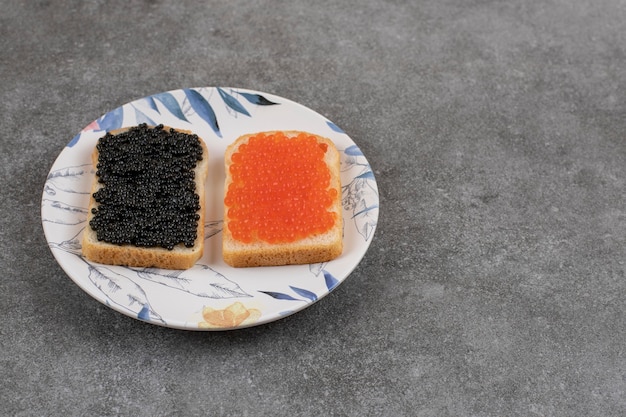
<point x="180" y="257"/>
<point x="313" y="248"/>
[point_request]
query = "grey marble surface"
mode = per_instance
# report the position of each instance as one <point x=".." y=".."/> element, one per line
<point x="495" y="284"/>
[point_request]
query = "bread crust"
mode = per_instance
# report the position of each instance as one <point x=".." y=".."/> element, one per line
<point x="316" y="248"/>
<point x="180" y="257"/>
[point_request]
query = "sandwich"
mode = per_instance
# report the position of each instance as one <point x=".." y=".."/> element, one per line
<point x="146" y="207"/>
<point x="282" y="202"/>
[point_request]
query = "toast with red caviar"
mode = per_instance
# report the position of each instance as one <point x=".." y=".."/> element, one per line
<point x="282" y="202"/>
<point x="146" y="207"/>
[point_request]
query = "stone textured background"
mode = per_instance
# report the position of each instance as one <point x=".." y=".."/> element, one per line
<point x="495" y="284"/>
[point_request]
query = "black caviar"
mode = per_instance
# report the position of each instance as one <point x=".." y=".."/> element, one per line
<point x="148" y="196"/>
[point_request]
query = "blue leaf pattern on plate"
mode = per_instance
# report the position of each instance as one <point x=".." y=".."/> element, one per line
<point x="360" y="196"/>
<point x="71" y="179"/>
<point x="71" y="245"/>
<point x="171" y="104"/>
<point x="331" y="281"/>
<point x="74" y="141"/>
<point x="232" y="102"/>
<point x="364" y="212"/>
<point x="257" y="99"/>
<point x="316" y="268"/>
<point x="353" y="151"/>
<point x="144" y="314"/>
<point x="112" y="120"/>
<point x="279" y="295"/>
<point x="211" y="285"/>
<point x="203" y="109"/>
<point x="369" y="175"/>
<point x="152" y="103"/>
<point x="59" y="212"/>
<point x="120" y="290"/>
<point x="334" y="127"/>
<point x="141" y="117"/>
<point x="304" y="293"/>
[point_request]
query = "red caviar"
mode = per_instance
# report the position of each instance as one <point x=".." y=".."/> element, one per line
<point x="280" y="189"/>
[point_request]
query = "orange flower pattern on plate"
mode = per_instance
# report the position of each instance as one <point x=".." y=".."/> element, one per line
<point x="234" y="315"/>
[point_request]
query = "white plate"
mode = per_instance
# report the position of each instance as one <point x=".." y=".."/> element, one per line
<point x="211" y="295"/>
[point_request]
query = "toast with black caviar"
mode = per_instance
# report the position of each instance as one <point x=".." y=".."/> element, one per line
<point x="282" y="202"/>
<point x="147" y="201"/>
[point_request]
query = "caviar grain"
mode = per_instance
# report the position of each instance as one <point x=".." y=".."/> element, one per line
<point x="147" y="196"/>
